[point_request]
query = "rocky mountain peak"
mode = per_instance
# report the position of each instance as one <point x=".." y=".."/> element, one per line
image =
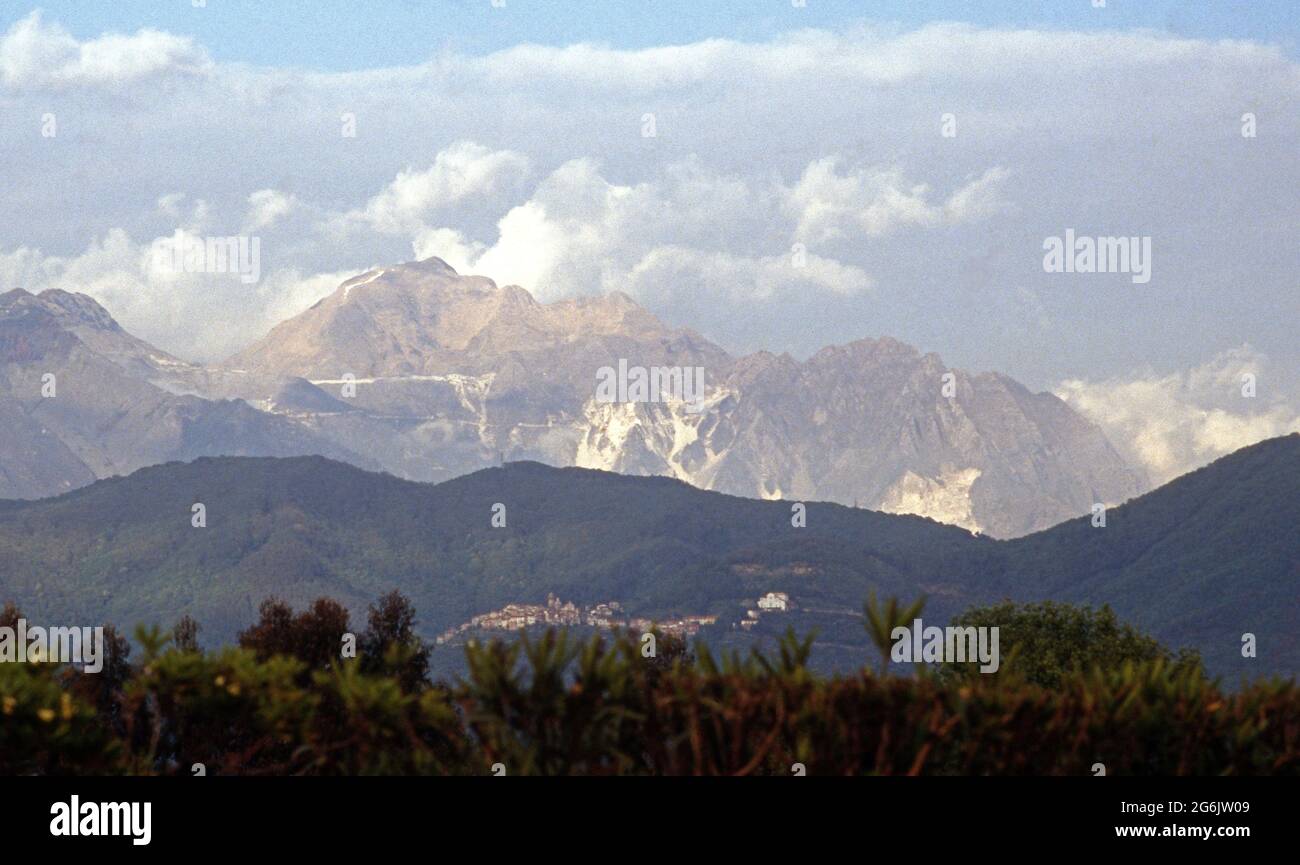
<point x="62" y="308"/>
<point x="423" y="317"/>
<point x="432" y="374"/>
<point x="55" y="323"/>
<point x="432" y="264"/>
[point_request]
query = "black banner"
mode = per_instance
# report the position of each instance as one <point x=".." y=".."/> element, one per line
<point x="522" y="814"/>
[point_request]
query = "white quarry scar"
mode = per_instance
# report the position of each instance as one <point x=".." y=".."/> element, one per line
<point x="347" y="289"/>
<point x="945" y="498"/>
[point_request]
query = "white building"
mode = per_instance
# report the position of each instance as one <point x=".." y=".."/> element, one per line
<point x="774" y="601"/>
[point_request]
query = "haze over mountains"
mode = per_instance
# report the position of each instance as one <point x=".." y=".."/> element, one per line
<point x="454" y="373"/>
<point x="1198" y="562"/>
<point x="81" y="399"/>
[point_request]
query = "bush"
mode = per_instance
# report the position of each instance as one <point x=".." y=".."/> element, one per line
<point x="554" y="705"/>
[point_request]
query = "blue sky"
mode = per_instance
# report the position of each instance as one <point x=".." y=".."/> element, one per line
<point x="342" y="35"/>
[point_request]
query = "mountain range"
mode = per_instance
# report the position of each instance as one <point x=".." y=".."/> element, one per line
<point x="1200" y="562"/>
<point x="428" y="374"/>
<point x="81" y="399"/>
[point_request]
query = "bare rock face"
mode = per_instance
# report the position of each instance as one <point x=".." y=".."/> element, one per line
<point x="868" y="424"/>
<point x="430" y="374"/>
<point x="453" y="373"/>
<point x="82" y="399"/>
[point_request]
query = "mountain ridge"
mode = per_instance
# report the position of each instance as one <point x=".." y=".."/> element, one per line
<point x="1199" y="562"/>
<point x="418" y="370"/>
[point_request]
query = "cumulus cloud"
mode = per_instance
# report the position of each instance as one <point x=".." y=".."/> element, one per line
<point x="830" y="205"/>
<point x="266" y="207"/>
<point x="188" y="314"/>
<point x="36" y="54"/>
<point x="1172" y="424"/>
<point x="458" y="172"/>
<point x="690" y="230"/>
<point x="689" y="233"/>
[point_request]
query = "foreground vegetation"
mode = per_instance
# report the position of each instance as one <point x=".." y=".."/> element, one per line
<point x="284" y="702"/>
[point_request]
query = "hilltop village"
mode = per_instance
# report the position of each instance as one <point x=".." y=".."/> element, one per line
<point x="608" y="616"/>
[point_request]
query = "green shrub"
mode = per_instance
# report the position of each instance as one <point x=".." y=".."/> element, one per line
<point x="45" y="729"/>
<point x="556" y="705"/>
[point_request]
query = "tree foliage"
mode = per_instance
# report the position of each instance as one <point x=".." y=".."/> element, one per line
<point x="553" y="704"/>
<point x="1042" y="642"/>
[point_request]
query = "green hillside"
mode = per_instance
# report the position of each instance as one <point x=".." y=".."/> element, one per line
<point x="1196" y="563"/>
<point x="1201" y="561"/>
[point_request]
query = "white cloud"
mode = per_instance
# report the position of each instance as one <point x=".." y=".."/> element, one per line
<point x="458" y="172"/>
<point x="673" y="271"/>
<point x="449" y="245"/>
<point x="34" y="54"/>
<point x="688" y="233"/>
<point x="830" y="205"/>
<point x="192" y="218"/>
<point x="871" y="54"/>
<point x="528" y="165"/>
<point x="687" y="230"/>
<point x="169" y="204"/>
<point x="267" y="207"/>
<point x="188" y="314"/>
<point x="1175" y="423"/>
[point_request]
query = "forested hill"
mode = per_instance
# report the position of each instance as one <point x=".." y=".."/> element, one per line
<point x="1198" y="562"/>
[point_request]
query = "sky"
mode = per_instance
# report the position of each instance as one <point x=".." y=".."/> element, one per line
<point x="314" y="35"/>
<point x="776" y="177"/>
